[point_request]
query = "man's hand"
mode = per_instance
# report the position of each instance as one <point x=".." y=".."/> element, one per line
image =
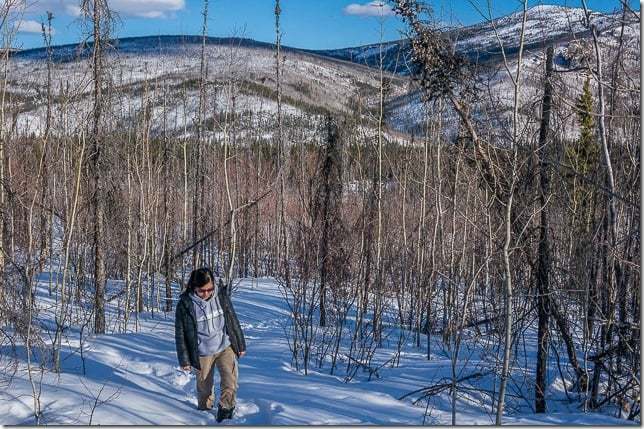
<point x="241" y="354"/>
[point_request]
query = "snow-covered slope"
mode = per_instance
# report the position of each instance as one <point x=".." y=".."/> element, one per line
<point x="163" y="73"/>
<point x="133" y="378"/>
<point x="573" y="54"/>
<point x="480" y="42"/>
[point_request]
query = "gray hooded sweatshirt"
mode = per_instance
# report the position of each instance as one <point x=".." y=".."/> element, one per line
<point x="211" y="333"/>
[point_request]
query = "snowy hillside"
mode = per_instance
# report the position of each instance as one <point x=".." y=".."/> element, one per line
<point x="162" y="73"/>
<point x="564" y="29"/>
<point x="133" y="378"/>
<point x="480" y="42"/>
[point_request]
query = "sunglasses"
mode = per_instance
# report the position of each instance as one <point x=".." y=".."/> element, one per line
<point x="204" y="291"/>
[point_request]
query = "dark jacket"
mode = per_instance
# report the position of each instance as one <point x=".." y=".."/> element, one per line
<point x="185" y="328"/>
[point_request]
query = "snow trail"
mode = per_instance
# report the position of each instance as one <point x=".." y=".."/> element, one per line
<point x="134" y="378"/>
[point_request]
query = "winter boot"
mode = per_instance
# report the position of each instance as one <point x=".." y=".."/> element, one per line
<point x="223" y="413"/>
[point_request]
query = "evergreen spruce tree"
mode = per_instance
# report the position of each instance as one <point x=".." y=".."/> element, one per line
<point x="582" y="157"/>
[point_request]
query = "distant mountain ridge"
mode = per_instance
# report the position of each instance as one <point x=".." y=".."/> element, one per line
<point x="313" y="81"/>
<point x="545" y="24"/>
<point x="140" y="44"/>
<point x="479" y="42"/>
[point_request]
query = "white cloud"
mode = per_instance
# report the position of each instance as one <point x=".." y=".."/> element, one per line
<point x="147" y="8"/>
<point x="66" y="7"/>
<point x="133" y="8"/>
<point x="30" y="26"/>
<point x="373" y="8"/>
<point x="72" y="9"/>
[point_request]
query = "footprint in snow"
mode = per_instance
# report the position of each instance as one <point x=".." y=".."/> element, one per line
<point x="163" y="371"/>
<point x="267" y="410"/>
<point x="140" y="368"/>
<point x="181" y="378"/>
<point x="246" y="408"/>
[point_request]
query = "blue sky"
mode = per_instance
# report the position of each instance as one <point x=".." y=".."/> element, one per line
<point x="312" y="24"/>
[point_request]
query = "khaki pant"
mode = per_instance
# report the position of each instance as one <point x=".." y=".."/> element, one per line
<point x="226" y="363"/>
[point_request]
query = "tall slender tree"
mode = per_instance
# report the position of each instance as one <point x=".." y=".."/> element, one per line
<point x="543" y="260"/>
<point x="100" y="17"/>
<point x="197" y="200"/>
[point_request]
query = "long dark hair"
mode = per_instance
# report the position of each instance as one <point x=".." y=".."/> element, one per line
<point x="200" y="277"/>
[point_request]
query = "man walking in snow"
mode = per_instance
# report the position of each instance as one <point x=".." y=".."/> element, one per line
<point x="208" y="335"/>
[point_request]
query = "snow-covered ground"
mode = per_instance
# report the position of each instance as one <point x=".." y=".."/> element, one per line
<point x="133" y="379"/>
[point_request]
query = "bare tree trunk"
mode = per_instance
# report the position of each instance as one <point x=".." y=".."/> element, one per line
<point x="128" y="255"/>
<point x="377" y="319"/>
<point x="543" y="263"/>
<point x="167" y="221"/>
<point x="508" y="220"/>
<point x="198" y="161"/>
<point x="45" y="220"/>
<point x="621" y="284"/>
<point x="438" y="228"/>
<point x="7" y="39"/>
<point x="611" y="261"/>
<point x="61" y="318"/>
<point x="100" y="22"/>
<point x="231" y="207"/>
<point x="281" y="163"/>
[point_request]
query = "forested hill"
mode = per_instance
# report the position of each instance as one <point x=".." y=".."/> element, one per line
<point x="314" y="81"/>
